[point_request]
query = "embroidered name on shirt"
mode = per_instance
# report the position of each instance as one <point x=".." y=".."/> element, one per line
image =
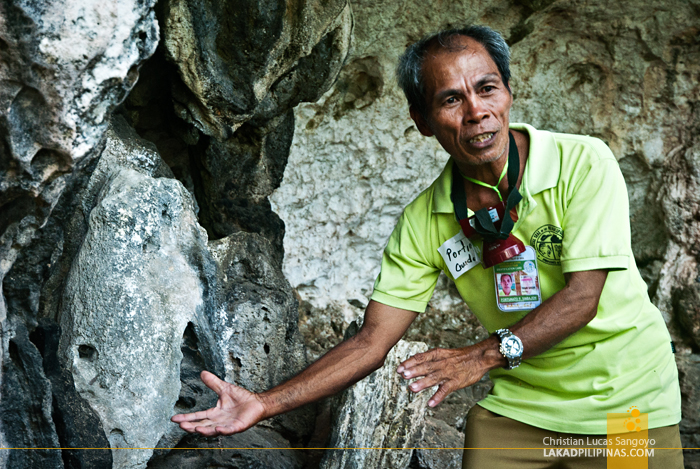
<point x="459" y="254"/>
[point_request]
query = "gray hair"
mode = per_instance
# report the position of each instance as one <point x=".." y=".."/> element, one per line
<point x="409" y="71"/>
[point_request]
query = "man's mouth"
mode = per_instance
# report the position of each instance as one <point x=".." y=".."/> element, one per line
<point x="481" y="137"/>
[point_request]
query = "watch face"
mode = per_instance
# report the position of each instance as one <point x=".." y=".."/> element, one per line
<point x="512" y="347"/>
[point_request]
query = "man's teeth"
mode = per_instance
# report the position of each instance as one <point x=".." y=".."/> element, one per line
<point x="482" y="137"/>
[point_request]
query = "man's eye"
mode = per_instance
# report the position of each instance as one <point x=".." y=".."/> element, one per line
<point x="451" y="100"/>
<point x="488" y="89"/>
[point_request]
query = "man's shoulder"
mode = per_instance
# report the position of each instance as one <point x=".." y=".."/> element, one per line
<point x="582" y="146"/>
<point x="574" y="151"/>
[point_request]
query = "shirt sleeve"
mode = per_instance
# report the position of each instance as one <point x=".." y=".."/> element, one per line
<point x="596" y="220"/>
<point x="407" y="278"/>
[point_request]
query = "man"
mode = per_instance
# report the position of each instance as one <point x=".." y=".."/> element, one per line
<point x="586" y="350"/>
<point x="506" y="282"/>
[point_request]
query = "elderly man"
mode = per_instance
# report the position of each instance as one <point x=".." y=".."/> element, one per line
<point x="579" y="340"/>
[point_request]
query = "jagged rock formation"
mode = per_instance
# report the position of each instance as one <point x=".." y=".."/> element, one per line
<point x="116" y="298"/>
<point x="64" y="67"/>
<point x="256" y="320"/>
<point x="130" y="293"/>
<point x="391" y="416"/>
<point x="257" y="61"/>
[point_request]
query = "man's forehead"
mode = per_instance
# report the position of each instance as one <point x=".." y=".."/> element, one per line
<point x="444" y="58"/>
<point x="466" y="56"/>
<point x="454" y="45"/>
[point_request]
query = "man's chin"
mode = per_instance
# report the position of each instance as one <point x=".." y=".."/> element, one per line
<point x="476" y="159"/>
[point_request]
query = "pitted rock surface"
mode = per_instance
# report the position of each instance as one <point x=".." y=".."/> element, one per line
<point x="64" y="66"/>
<point x="240" y="60"/>
<point x="131" y="291"/>
<point x="255" y="324"/>
<point x="378" y="412"/>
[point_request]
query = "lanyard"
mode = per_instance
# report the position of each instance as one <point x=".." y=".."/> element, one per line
<point x="481" y="183"/>
<point x="483" y="223"/>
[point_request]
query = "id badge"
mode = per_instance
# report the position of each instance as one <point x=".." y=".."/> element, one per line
<point x="518" y="282"/>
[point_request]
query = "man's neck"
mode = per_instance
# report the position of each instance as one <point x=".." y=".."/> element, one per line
<point x="479" y="196"/>
<point x="488" y="173"/>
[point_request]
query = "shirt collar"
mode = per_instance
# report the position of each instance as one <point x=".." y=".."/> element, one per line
<point x="541" y="170"/>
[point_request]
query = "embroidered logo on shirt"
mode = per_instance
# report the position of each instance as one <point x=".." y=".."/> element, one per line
<point x="547" y="242"/>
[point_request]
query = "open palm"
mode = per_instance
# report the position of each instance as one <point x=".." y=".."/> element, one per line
<point x="235" y="411"/>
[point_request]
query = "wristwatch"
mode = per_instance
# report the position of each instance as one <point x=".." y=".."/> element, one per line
<point x="511" y="348"/>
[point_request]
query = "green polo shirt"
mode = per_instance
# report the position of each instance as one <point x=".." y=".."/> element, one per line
<point x="575" y="214"/>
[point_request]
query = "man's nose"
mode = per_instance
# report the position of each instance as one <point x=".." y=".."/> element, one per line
<point x="475" y="111"/>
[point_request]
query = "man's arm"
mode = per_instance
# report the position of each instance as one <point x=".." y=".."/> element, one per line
<point x="561" y="315"/>
<point x="343" y="365"/>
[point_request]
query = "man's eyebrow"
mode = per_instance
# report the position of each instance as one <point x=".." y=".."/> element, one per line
<point x="491" y="77"/>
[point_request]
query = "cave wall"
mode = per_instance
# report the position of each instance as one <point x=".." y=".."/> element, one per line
<point x="140" y="141"/>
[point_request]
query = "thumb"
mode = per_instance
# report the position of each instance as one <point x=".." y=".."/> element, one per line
<point x="213" y="382"/>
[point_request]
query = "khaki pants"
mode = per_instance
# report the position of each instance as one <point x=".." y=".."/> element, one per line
<point x="485" y="429"/>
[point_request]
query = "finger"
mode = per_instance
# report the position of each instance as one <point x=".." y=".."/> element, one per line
<point x="201" y="415"/>
<point x="422" y="369"/>
<point x="419" y="358"/>
<point x="213" y="382"/>
<point x="427" y="382"/>
<point x="411" y="362"/>
<point x="442" y="393"/>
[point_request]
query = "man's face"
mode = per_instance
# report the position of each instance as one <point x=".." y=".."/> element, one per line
<point x="506" y="282"/>
<point x="468" y="104"/>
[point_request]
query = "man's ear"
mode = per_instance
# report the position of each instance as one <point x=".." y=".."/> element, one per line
<point x="422" y="125"/>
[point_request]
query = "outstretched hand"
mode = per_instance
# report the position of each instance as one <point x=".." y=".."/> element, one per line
<point x="450" y="369"/>
<point x="235" y="411"/>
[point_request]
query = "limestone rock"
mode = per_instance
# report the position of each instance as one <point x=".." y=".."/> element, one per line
<point x="26" y="407"/>
<point x="69" y="64"/>
<point x="131" y="291"/>
<point x="65" y="65"/>
<point x="77" y="424"/>
<point x="239" y="174"/>
<point x="430" y="454"/>
<point x="243" y="59"/>
<point x="194" y="394"/>
<point x="256" y="448"/>
<point x="378" y="412"/>
<point x="256" y="319"/>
